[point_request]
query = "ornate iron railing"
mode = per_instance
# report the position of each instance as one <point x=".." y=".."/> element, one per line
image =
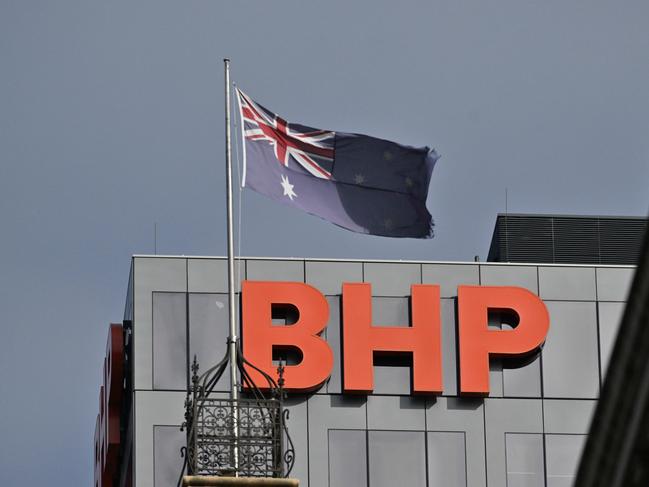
<point x="258" y="443"/>
<point x="245" y="437"/>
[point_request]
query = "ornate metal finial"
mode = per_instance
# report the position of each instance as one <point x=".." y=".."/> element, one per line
<point x="280" y="380"/>
<point x="195" y="371"/>
<point x="188" y="408"/>
<point x="280" y="374"/>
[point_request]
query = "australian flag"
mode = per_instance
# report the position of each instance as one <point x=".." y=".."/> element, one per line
<point x="360" y="183"/>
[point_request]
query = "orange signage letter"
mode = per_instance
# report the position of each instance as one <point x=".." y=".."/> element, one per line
<point x="261" y="335"/>
<point x="478" y="342"/>
<point x="361" y="340"/>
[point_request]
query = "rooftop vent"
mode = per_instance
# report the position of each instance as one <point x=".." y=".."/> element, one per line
<point x="563" y="239"/>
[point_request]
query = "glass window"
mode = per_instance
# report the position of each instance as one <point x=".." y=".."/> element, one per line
<point x="446" y="459"/>
<point x="524" y="459"/>
<point x="563" y="453"/>
<point x="347" y="458"/>
<point x="209" y="324"/>
<point x="396" y="458"/>
<point x="167" y="462"/>
<point x="169" y="341"/>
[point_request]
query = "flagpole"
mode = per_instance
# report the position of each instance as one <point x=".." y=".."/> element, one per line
<point x="232" y="339"/>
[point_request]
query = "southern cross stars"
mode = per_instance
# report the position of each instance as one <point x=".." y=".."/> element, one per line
<point x="288" y="188"/>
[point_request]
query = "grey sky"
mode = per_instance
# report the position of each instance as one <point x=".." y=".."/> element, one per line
<point x="111" y="119"/>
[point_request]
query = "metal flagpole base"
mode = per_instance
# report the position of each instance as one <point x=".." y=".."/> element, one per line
<point x="211" y="481"/>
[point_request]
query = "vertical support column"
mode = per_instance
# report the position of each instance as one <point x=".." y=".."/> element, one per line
<point x="232" y="339"/>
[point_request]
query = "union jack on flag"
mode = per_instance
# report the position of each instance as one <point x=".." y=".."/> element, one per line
<point x="311" y="149"/>
<point x="361" y="183"/>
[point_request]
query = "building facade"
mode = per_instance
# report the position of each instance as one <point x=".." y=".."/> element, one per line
<point x="528" y="430"/>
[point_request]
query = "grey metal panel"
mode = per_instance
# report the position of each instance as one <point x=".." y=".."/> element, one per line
<point x="613" y="284"/>
<point x="167" y="463"/>
<point x="211" y="275"/>
<point x="396" y="458"/>
<point x="151" y="408"/>
<point x="275" y="270"/>
<point x="513" y="416"/>
<point x="507" y="416"/>
<point x="522" y="381"/>
<point x="450" y="276"/>
<point x="297" y="425"/>
<point x="567" y="283"/>
<point x="208" y="332"/>
<point x="347" y="458"/>
<point x="562" y="458"/>
<point x="151" y="274"/>
<point x="570" y="354"/>
<point x="332" y="334"/>
<point x="449" y="355"/>
<point x="328" y="277"/>
<point x="392" y="379"/>
<point x="610" y="318"/>
<point x="169" y="341"/>
<point x="503" y="275"/>
<point x="467" y="415"/>
<point x="396" y="413"/>
<point x="446" y="459"/>
<point x="328" y="412"/>
<point x="495" y="377"/>
<point x="390" y="312"/>
<point x="567" y="416"/>
<point x="524" y="460"/>
<point x="391" y="279"/>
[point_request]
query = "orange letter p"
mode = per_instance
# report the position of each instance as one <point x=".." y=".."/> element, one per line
<point x="478" y="342"/>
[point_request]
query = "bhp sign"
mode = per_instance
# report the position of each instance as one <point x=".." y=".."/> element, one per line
<point x="363" y="340"/>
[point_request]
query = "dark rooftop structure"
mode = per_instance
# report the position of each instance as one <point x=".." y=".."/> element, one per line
<point x="567" y="239"/>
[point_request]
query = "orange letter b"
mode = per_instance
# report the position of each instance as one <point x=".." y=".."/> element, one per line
<point x="261" y="335"/>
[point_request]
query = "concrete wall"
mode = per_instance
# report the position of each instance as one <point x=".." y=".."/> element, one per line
<point x="528" y="432"/>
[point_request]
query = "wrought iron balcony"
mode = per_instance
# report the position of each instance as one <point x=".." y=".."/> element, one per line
<point x="244" y="438"/>
<point x="258" y="446"/>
